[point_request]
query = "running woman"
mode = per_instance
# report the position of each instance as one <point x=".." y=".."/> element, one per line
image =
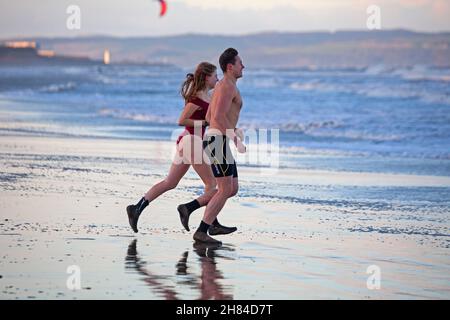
<point x="195" y="91"/>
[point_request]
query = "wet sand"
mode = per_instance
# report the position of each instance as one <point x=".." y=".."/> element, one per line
<point x="63" y="204"/>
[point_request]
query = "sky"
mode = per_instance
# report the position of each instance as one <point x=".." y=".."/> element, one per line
<point x="26" y="18"/>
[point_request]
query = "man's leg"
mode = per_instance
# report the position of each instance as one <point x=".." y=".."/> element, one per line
<point x="235" y="188"/>
<point x="191" y="149"/>
<point x="205" y="173"/>
<point x="224" y="189"/>
<point x="216" y="228"/>
<point x="186" y="209"/>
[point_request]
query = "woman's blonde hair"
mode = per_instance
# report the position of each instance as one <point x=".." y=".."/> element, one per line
<point x="196" y="81"/>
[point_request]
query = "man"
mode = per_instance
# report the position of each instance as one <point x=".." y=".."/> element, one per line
<point x="222" y="116"/>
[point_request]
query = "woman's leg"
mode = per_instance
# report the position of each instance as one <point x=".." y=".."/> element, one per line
<point x="204" y="171"/>
<point x="176" y="172"/>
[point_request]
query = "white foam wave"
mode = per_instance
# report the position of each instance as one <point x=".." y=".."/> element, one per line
<point x="306" y="86"/>
<point x="292" y="126"/>
<point x="357" y="135"/>
<point x="308" y="127"/>
<point x="121" y="114"/>
<point x="54" y="88"/>
<point x="377" y="69"/>
<point x="423" y="73"/>
<point x="270" y="82"/>
<point x="326" y="129"/>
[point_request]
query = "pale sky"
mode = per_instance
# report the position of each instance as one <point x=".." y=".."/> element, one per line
<point x="24" y="18"/>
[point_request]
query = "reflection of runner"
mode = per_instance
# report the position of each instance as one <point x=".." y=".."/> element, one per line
<point x="132" y="261"/>
<point x="195" y="93"/>
<point x="208" y="286"/>
<point x="223" y="115"/>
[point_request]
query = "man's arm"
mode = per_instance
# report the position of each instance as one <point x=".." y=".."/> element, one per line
<point x="240" y="133"/>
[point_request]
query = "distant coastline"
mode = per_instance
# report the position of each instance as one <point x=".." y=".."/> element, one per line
<point x="23" y="53"/>
<point x="340" y="49"/>
<point x="28" y="53"/>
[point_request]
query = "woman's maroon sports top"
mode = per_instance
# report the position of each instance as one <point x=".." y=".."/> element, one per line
<point x="199" y="114"/>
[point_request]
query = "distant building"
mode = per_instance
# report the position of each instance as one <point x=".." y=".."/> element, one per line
<point x="46" y="53"/>
<point x="106" y="57"/>
<point x="22" y="44"/>
<point x="29" y="53"/>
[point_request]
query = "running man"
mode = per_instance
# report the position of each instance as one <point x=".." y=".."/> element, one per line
<point x="195" y="91"/>
<point x="222" y="116"/>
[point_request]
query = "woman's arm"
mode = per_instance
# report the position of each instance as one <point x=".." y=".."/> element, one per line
<point x="208" y="116"/>
<point x="188" y="111"/>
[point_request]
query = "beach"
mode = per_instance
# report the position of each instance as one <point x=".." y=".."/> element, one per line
<point x="341" y="177"/>
<point x="63" y="204"/>
<point x="348" y="200"/>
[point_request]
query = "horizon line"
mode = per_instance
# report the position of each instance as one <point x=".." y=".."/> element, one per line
<point x="94" y="35"/>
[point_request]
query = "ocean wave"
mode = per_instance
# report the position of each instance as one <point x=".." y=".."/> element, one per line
<point x="356" y="135"/>
<point x="303" y="150"/>
<point x="374" y="91"/>
<point x="74" y="70"/>
<point x="306" y="86"/>
<point x="412" y="73"/>
<point x="386" y="92"/>
<point x="422" y="73"/>
<point x="55" y="88"/>
<point x="436" y="98"/>
<point x="307" y="127"/>
<point x="141" y="72"/>
<point x="109" y="80"/>
<point x="371" y="92"/>
<point x="319" y="86"/>
<point x="423" y="95"/>
<point x="330" y="149"/>
<point x="261" y="72"/>
<point x="377" y="70"/>
<point x="44" y="129"/>
<point x="141" y="117"/>
<point x="405" y="231"/>
<point x="268" y="82"/>
<point x="327" y="129"/>
<point x="292" y="126"/>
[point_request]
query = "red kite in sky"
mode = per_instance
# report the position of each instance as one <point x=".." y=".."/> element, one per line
<point x="163" y="7"/>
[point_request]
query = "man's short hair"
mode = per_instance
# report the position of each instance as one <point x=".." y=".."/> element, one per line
<point x="228" y="56"/>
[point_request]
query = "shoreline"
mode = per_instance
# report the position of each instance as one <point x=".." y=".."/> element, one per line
<point x="63" y="204"/>
<point x="62" y="144"/>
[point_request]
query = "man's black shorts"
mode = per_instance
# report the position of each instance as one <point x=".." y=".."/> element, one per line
<point x="219" y="153"/>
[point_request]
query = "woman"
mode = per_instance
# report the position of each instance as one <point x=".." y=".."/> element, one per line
<point x="195" y="93"/>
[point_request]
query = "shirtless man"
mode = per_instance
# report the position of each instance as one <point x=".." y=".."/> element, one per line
<point x="222" y="116"/>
